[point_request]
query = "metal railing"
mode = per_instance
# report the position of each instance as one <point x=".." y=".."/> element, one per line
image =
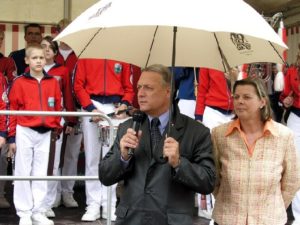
<point x="82" y="178"/>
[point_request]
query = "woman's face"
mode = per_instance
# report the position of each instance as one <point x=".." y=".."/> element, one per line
<point x="247" y="104"/>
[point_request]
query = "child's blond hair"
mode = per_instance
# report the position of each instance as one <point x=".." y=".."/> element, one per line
<point x="31" y="47"/>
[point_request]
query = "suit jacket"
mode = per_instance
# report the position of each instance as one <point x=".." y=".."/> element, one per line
<point x="154" y="193"/>
<point x="257" y="188"/>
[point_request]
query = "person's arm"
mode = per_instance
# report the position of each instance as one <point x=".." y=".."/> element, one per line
<point x="197" y="171"/>
<point x="202" y="90"/>
<point x="79" y="86"/>
<point x="290" y="181"/>
<point x="58" y="103"/>
<point x="127" y="98"/>
<point x="14" y="99"/>
<point x="3" y="118"/>
<point x="11" y="70"/>
<point x="68" y="98"/>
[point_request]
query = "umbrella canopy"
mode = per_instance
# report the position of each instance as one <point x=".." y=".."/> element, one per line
<point x="141" y="32"/>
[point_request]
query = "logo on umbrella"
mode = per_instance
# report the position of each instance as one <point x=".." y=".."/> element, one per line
<point x="100" y="10"/>
<point x="240" y="41"/>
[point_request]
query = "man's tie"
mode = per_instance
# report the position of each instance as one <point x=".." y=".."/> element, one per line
<point x="155" y="133"/>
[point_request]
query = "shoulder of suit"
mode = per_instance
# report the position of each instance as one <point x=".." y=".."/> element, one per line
<point x="17" y="52"/>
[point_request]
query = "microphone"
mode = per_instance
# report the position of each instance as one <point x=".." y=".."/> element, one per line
<point x="137" y="117"/>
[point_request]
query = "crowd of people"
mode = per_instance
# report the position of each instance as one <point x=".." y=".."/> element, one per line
<point x="217" y="141"/>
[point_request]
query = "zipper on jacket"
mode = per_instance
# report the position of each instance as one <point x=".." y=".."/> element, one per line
<point x="41" y="99"/>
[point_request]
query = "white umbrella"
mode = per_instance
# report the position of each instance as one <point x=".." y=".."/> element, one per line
<point x="141" y="32"/>
<point x="199" y="33"/>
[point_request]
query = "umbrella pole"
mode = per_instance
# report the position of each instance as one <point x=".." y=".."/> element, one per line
<point x="172" y="81"/>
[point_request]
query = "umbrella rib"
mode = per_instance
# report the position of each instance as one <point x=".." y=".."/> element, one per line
<point x="89" y="42"/>
<point x="154" y="35"/>
<point x="277" y="53"/>
<point x="224" y="60"/>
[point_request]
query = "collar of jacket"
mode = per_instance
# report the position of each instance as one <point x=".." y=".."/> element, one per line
<point x="46" y="76"/>
<point x="56" y="65"/>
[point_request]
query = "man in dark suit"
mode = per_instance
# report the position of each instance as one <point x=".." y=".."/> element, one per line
<point x="33" y="35"/>
<point x="159" y="182"/>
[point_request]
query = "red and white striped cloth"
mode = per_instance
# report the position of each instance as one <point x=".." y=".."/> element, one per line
<point x="14" y="36"/>
<point x="293" y="40"/>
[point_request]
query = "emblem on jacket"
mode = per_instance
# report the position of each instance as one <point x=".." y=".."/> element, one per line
<point x="118" y="68"/>
<point x="240" y="41"/>
<point x="51" y="102"/>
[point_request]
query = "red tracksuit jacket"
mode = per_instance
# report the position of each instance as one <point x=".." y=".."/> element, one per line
<point x="61" y="73"/>
<point x="69" y="63"/>
<point x="27" y="93"/>
<point x="212" y="91"/>
<point x="8" y="68"/>
<point x="292" y="84"/>
<point x="102" y="77"/>
<point x="3" y="87"/>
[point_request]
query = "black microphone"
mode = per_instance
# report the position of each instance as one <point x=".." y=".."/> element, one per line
<point x="137" y="117"/>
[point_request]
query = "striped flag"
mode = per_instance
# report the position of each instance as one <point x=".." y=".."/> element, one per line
<point x="14" y="36"/>
<point x="293" y="40"/>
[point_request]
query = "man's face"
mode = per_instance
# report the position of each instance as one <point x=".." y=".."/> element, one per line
<point x="153" y="94"/>
<point x="1" y="39"/>
<point x="33" y="35"/>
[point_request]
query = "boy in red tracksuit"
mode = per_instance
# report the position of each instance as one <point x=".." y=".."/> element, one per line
<point x="3" y="133"/>
<point x="29" y="136"/>
<point x="99" y="85"/>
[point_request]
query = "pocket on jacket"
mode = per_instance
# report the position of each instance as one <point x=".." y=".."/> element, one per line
<point x="121" y="211"/>
<point x="179" y="219"/>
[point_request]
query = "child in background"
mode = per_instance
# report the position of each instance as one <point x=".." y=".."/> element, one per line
<point x="61" y="73"/>
<point x="3" y="148"/>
